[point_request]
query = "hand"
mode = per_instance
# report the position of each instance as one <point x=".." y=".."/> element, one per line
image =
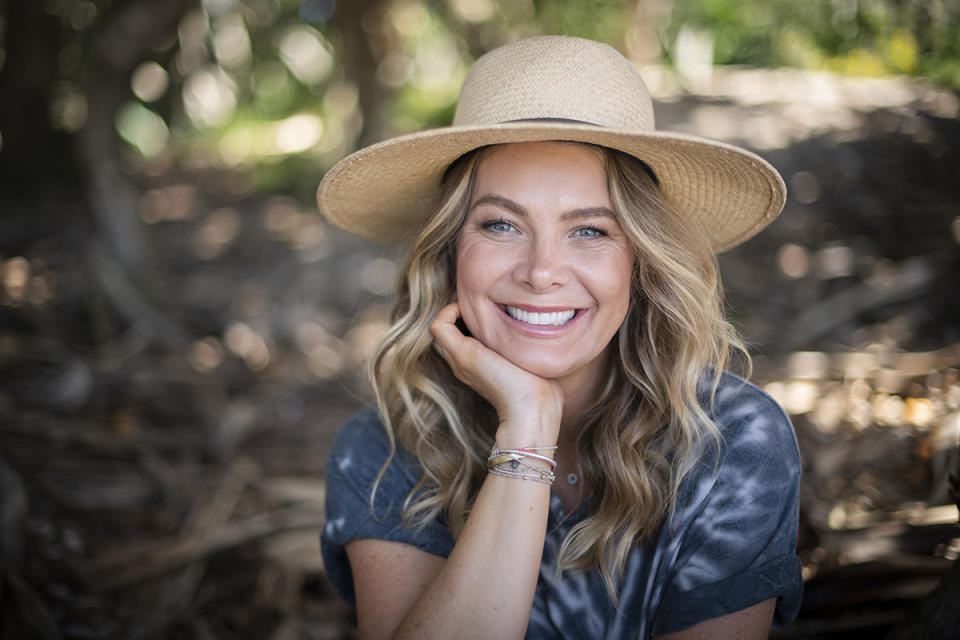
<point x="529" y="407"/>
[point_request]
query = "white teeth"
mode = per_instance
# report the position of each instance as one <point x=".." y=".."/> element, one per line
<point x="554" y="318"/>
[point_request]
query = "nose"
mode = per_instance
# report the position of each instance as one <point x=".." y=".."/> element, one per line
<point x="543" y="266"/>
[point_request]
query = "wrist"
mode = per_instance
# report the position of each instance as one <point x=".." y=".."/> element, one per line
<point x="526" y="433"/>
<point x="532" y="463"/>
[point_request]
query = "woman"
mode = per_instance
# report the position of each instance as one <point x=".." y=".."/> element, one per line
<point x="557" y="450"/>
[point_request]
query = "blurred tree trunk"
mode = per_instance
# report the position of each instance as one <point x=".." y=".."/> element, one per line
<point x="33" y="155"/>
<point x="56" y="173"/>
<point x="121" y="260"/>
<point x="364" y="42"/>
<point x="124" y="38"/>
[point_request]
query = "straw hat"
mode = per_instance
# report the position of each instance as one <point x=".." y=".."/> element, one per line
<point x="551" y="88"/>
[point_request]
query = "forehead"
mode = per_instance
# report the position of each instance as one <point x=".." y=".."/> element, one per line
<point x="563" y="170"/>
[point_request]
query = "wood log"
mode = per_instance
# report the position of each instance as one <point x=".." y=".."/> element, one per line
<point x="936" y="617"/>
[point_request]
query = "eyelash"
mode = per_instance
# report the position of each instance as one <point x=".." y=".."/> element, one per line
<point x="598" y="232"/>
<point x="490" y="224"/>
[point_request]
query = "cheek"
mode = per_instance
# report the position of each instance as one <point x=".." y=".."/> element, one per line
<point x="612" y="281"/>
<point x="470" y="289"/>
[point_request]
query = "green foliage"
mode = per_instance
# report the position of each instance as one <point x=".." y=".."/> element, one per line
<point x="269" y="62"/>
<point x="862" y="37"/>
<point x="603" y="20"/>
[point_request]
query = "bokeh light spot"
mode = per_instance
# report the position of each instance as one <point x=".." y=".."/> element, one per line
<point x="206" y="354"/>
<point x="377" y="276"/>
<point x="805" y="187"/>
<point x="473" y="10"/>
<point x="209" y="96"/>
<point x="247" y="344"/>
<point x="231" y="42"/>
<point x="142" y="128"/>
<point x="307" y="54"/>
<point x="793" y="260"/>
<point x="216" y="233"/>
<point x="14" y="275"/>
<point x="149" y="81"/>
<point x="296" y="133"/>
<point x="175" y="202"/>
<point x="68" y="108"/>
<point x="835" y="262"/>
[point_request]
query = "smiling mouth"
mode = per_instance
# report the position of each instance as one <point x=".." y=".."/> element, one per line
<point x="550" y="318"/>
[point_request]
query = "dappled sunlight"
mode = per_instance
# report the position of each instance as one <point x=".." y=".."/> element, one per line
<point x="877" y="375"/>
<point x="294" y="134"/>
<point x="242" y="341"/>
<point x="231" y="42"/>
<point x="69" y="109"/>
<point x="209" y="96"/>
<point x="325" y="352"/>
<point x="215" y="234"/>
<point x="143" y="128"/>
<point x="378" y="276"/>
<point x="176" y="202"/>
<point x="364" y="335"/>
<point x="206" y="354"/>
<point x="23" y="283"/>
<point x="149" y="81"/>
<point x="793" y="260"/>
<point x="192" y="35"/>
<point x="307" y="54"/>
<point x="476" y="11"/>
<point x="301" y="229"/>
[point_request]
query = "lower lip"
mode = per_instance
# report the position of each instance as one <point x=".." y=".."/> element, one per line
<point x="543" y="330"/>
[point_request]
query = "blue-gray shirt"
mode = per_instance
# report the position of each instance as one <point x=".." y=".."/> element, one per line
<point x="730" y="544"/>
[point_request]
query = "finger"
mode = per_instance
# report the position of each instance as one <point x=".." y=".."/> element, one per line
<point x="444" y="328"/>
<point x="449" y="313"/>
<point x="454" y="347"/>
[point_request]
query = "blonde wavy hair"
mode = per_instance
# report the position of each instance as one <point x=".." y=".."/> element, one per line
<point x="648" y="427"/>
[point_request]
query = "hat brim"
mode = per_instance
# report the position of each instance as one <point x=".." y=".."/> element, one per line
<point x="386" y="192"/>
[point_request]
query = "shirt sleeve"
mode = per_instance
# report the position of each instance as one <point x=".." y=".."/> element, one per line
<point x="356" y="458"/>
<point x="739" y="528"/>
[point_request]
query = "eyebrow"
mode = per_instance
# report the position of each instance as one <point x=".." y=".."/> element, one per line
<point x="517" y="208"/>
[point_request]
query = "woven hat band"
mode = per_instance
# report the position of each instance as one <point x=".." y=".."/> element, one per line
<point x="593" y="84"/>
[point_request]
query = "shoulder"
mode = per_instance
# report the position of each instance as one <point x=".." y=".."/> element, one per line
<point x="368" y="480"/>
<point x="364" y="430"/>
<point x="360" y="455"/>
<point x="753" y="426"/>
<point x="733" y="537"/>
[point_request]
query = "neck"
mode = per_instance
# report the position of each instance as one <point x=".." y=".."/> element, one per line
<point x="580" y="391"/>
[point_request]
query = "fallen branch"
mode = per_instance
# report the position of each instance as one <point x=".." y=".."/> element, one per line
<point x="910" y="281"/>
<point x="146" y="560"/>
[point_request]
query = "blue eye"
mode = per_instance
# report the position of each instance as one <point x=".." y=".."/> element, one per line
<point x="589" y="232"/>
<point x="498" y="226"/>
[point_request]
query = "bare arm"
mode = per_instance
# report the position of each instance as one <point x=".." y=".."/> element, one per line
<point x="486" y="587"/>
<point x="752" y="623"/>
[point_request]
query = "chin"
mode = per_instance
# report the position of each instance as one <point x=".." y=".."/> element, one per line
<point x="546" y="368"/>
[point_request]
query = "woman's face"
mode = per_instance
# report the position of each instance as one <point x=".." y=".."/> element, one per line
<point x="543" y="267"/>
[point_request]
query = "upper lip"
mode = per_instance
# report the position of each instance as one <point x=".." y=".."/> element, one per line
<point x="540" y="309"/>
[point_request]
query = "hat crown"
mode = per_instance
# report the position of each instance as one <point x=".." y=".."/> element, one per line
<point x="555" y="77"/>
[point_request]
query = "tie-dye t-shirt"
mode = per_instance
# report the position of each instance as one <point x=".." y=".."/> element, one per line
<point x="730" y="544"/>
